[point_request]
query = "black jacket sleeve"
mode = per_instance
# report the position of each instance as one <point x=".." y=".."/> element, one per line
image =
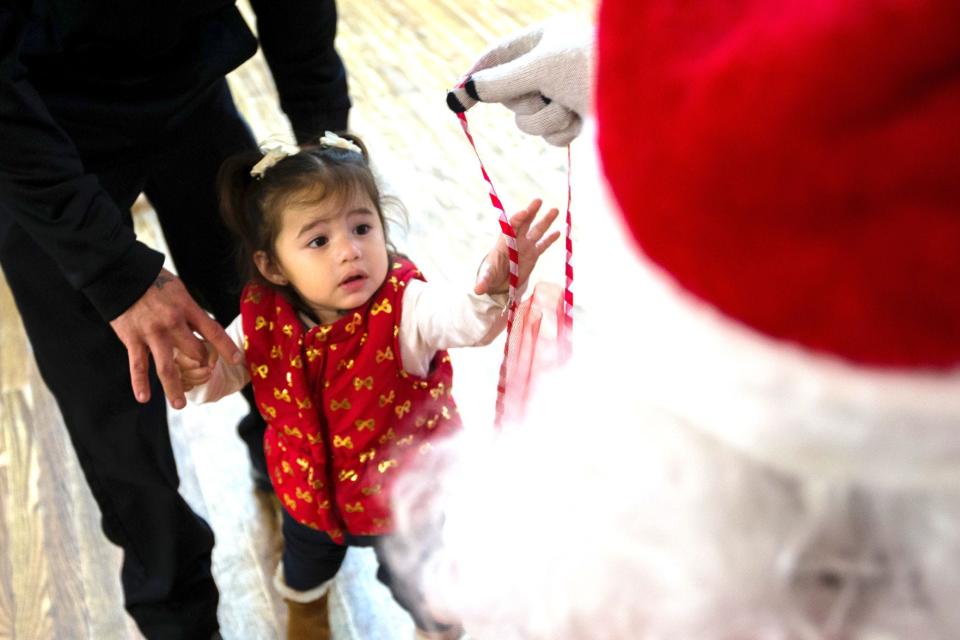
<point x="44" y="189"/>
<point x="297" y="39"/>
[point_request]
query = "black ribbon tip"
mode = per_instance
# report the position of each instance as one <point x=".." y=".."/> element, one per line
<point x="454" y="103"/>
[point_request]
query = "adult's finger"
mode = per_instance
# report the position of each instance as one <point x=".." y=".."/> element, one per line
<point x="527" y="104"/>
<point x="504" y="83"/>
<point x="566" y="136"/>
<point x="161" y="348"/>
<point x="507" y="81"/>
<point x="550" y="119"/>
<point x="211" y="330"/>
<point x="139" y="359"/>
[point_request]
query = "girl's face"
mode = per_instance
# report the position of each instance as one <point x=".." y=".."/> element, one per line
<point x="333" y="252"/>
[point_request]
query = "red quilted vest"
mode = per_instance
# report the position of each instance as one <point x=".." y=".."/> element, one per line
<point x="343" y="416"/>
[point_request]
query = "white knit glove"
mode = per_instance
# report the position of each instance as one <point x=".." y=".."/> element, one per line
<point x="543" y="74"/>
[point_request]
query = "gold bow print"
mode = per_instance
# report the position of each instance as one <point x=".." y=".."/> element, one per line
<point x="259" y="323"/>
<point x="253" y="295"/>
<point x="290" y="502"/>
<point x="387" y="399"/>
<point x="353" y="324"/>
<point x="437" y="392"/>
<point x="339" y="442"/>
<point x="371" y="491"/>
<point x="261" y="370"/>
<point x="304" y="464"/>
<point x="383" y="307"/>
<point x="345" y="364"/>
<point x="356" y="507"/>
<point x="246" y="343"/>
<point x="267" y="409"/>
<point x="386" y="464"/>
<point x="292" y="433"/>
<point x="368" y="424"/>
<point x="386" y="354"/>
<point x="393" y="280"/>
<point x="368" y="455"/>
<point x="323" y="331"/>
<point x="303" y="495"/>
<point x="360" y="383"/>
<point x="281" y="395"/>
<point x="296" y="362"/>
<point x="343" y="404"/>
<point x="348" y="474"/>
<point x="388" y="436"/>
<point x="275" y="351"/>
<point x="304" y="404"/>
<point x="287" y="469"/>
<point x="288" y="330"/>
<point x="402" y="409"/>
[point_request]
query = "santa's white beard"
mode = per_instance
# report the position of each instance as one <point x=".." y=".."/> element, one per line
<point x="600" y="519"/>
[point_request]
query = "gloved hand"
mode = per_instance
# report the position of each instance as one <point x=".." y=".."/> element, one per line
<point x="543" y="74"/>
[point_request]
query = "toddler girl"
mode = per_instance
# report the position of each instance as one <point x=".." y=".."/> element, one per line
<point x="345" y="345"/>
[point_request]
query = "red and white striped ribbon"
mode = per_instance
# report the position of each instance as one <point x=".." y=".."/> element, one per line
<point x="566" y="327"/>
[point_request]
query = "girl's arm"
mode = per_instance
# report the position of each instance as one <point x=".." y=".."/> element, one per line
<point x="216" y="378"/>
<point x="439" y="317"/>
<point x="436" y="317"/>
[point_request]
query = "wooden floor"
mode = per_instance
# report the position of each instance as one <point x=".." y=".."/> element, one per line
<point x="58" y="575"/>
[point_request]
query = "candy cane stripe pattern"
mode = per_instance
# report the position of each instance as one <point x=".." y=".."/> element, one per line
<point x="511" y="238"/>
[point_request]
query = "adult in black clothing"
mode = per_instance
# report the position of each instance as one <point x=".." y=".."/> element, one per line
<point x="100" y="101"/>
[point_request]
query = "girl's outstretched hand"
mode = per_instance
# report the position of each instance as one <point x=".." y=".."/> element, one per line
<point x="531" y="243"/>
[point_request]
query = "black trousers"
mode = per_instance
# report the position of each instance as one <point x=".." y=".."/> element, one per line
<point x="311" y="558"/>
<point x="124" y="447"/>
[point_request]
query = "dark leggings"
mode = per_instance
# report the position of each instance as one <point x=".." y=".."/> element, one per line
<point x="311" y="558"/>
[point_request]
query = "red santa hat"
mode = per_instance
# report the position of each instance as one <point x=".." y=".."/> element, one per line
<point x="795" y="164"/>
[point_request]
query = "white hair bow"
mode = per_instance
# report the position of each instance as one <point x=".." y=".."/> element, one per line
<point x="272" y="154"/>
<point x="330" y="139"/>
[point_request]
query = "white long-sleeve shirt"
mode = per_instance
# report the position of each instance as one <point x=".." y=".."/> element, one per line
<point x="435" y="317"/>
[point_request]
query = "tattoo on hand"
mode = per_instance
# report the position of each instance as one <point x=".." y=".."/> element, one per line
<point x="161" y="280"/>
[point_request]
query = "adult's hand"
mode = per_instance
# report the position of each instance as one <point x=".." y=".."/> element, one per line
<point x="543" y="74"/>
<point x="163" y="320"/>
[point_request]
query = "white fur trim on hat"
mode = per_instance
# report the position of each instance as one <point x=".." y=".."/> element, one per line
<point x="787" y="407"/>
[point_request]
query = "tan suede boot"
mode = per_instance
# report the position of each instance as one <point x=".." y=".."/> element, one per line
<point x="308" y="620"/>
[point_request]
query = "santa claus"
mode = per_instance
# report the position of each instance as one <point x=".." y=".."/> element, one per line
<point x="764" y="439"/>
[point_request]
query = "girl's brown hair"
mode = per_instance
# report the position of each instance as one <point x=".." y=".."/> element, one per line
<point x="251" y="206"/>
